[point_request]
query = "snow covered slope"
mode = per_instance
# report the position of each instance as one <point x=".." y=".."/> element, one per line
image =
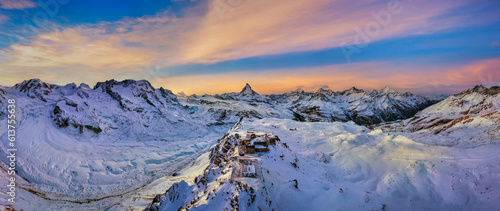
<point x="342" y="166"/>
<point x="80" y="144"/>
<point x="468" y="118"/>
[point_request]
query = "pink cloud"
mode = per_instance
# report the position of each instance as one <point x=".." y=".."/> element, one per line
<point x="17" y="4"/>
<point x="3" y="18"/>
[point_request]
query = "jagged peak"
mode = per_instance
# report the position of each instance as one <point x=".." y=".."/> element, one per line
<point x="494" y="90"/>
<point x="33" y="80"/>
<point x="325" y="92"/>
<point x="124" y="83"/>
<point x="247" y="90"/>
<point x="104" y="84"/>
<point x="479" y="89"/>
<point x="386" y="89"/>
<point x="33" y="84"/>
<point x="84" y="86"/>
<point x="320" y="90"/>
<point x="353" y="90"/>
<point x="70" y="86"/>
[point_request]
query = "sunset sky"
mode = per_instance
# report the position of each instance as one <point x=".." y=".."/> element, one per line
<point x="216" y="46"/>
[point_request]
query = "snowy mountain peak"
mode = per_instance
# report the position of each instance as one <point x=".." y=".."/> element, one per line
<point x="84" y="86"/>
<point x="478" y="106"/>
<point x="126" y="83"/>
<point x="35" y="88"/>
<point x="248" y="91"/>
<point x="27" y="85"/>
<point x="323" y="90"/>
<point x="352" y="90"/>
<point x="494" y="90"/>
<point x="472" y="101"/>
<point x="387" y="90"/>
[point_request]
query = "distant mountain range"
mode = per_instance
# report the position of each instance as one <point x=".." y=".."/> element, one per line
<point x="83" y="108"/>
<point x="324" y="105"/>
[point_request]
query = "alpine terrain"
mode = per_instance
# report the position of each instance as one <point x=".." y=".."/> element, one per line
<point x="126" y="145"/>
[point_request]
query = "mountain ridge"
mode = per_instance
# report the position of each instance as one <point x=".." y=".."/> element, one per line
<point x="358" y="105"/>
<point x="478" y="107"/>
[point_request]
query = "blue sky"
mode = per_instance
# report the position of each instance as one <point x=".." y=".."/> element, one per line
<point x="216" y="46"/>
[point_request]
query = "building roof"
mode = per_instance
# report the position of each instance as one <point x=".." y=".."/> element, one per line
<point x="258" y="140"/>
<point x="249" y="169"/>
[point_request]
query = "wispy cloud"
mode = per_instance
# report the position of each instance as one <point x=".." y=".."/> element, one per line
<point x="77" y="46"/>
<point x="3" y="18"/>
<point x="17" y="4"/>
<point x="132" y="42"/>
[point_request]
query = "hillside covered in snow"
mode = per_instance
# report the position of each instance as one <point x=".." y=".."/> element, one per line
<point x="342" y="166"/>
<point x="81" y="144"/>
<point x="468" y="119"/>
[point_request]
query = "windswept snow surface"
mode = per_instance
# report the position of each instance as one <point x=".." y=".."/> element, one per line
<point x="343" y="166"/>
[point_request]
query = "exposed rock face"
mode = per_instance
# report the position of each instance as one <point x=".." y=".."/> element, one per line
<point x="35" y="88"/>
<point x="494" y="90"/>
<point x="125" y="90"/>
<point x="2" y="95"/>
<point x="248" y="91"/>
